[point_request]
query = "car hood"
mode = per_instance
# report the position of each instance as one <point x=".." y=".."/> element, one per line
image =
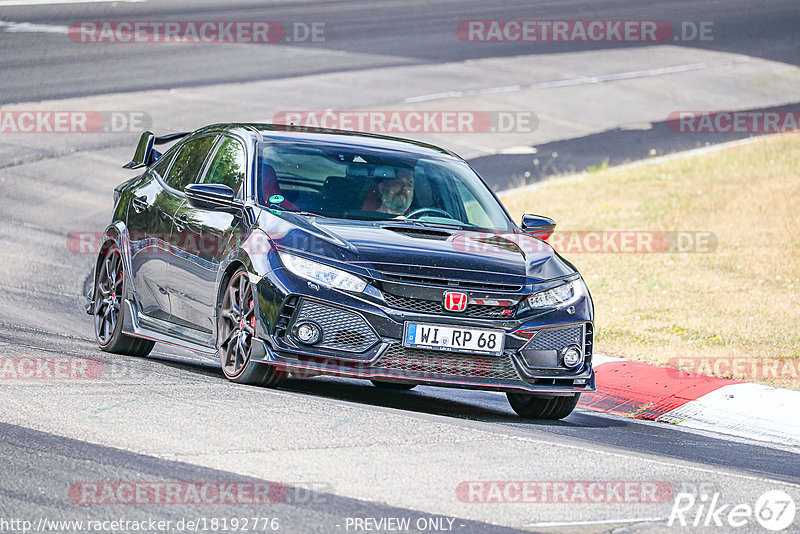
<point x="415" y="249"/>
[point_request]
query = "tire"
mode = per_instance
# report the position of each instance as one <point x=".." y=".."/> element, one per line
<point x="530" y="406"/>
<point x="235" y="330"/>
<point x="108" y="311"/>
<point x="393" y="386"/>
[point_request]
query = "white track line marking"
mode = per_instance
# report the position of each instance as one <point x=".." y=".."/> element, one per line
<point x="27" y="27"/>
<point x="598" y="522"/>
<point x="580" y="81"/>
<point x="4" y="3"/>
<point x="751" y="411"/>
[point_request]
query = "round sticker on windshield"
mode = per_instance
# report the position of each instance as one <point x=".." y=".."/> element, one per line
<point x="276" y="199"/>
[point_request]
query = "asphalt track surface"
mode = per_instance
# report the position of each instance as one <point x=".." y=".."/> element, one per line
<point x="610" y="147"/>
<point x="342" y="449"/>
<point x="38" y="66"/>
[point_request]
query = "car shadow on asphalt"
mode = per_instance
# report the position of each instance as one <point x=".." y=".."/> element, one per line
<point x="614" y="432"/>
<point x="475" y="405"/>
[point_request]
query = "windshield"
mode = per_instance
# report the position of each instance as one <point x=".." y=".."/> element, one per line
<point x="349" y="182"/>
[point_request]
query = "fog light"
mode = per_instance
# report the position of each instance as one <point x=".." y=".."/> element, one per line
<point x="307" y="332"/>
<point x="572" y="357"/>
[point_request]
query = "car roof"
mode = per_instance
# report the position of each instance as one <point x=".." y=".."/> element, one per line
<point x="281" y="132"/>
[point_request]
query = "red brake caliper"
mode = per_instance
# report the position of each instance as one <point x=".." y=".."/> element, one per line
<point x="253" y="318"/>
<point x="113" y="290"/>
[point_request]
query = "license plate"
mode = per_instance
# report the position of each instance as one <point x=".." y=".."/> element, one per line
<point x="453" y="338"/>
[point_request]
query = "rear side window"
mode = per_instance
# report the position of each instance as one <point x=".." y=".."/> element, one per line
<point x="228" y="166"/>
<point x="189" y="162"/>
<point x="162" y="165"/>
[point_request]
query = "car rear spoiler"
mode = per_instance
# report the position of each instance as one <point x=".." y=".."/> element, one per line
<point x="145" y="155"/>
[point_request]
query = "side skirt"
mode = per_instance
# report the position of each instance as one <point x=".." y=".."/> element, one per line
<point x="161" y="331"/>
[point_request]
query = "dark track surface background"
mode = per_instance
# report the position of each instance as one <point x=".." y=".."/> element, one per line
<point x="38" y="66"/>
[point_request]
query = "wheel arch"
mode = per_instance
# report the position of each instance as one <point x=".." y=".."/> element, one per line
<point x="231" y="266"/>
<point x="115" y="235"/>
<point x="255" y="255"/>
<point x="227" y="273"/>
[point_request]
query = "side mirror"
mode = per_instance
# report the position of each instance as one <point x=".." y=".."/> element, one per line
<point x="538" y="226"/>
<point x="216" y="197"/>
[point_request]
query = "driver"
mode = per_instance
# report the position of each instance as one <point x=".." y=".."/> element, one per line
<point x="393" y="195"/>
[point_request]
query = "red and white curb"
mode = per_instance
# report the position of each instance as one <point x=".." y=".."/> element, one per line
<point x="692" y="400"/>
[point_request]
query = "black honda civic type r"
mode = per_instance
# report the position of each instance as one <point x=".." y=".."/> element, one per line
<point x="287" y="252"/>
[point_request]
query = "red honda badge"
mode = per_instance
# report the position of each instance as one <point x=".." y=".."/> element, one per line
<point x="455" y="301"/>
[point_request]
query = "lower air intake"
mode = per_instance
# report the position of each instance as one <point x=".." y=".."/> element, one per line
<point x="341" y="329"/>
<point x="422" y="363"/>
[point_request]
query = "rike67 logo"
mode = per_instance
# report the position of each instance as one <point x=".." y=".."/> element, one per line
<point x="774" y="510"/>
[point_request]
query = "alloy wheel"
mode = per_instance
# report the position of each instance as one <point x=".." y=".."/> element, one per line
<point x="237" y="325"/>
<point x="108" y="296"/>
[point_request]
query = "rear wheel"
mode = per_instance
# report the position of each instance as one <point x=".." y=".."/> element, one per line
<point x="109" y="311"/>
<point x="541" y="407"/>
<point x="235" y="331"/>
<point x="393" y="386"/>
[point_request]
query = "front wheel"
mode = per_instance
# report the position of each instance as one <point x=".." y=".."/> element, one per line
<point x="109" y="311"/>
<point x="235" y="331"/>
<point x="542" y="407"/>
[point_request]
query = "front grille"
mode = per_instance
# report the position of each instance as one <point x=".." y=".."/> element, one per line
<point x="422" y="363"/>
<point x="341" y="329"/>
<point x="435" y="307"/>
<point x="452" y="283"/>
<point x="556" y="338"/>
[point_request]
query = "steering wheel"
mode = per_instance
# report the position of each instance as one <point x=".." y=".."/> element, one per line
<point x="436" y="211"/>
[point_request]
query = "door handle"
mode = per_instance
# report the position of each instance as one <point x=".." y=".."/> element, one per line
<point x="140" y="203"/>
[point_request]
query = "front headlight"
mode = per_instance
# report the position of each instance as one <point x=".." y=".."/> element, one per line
<point x="558" y="296"/>
<point x="321" y="273"/>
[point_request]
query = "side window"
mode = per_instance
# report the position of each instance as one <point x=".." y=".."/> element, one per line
<point x="472" y="207"/>
<point x="189" y="162"/>
<point x="228" y="166"/>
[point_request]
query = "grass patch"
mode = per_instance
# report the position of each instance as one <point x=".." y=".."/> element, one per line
<point x="601" y="167"/>
<point x="739" y="301"/>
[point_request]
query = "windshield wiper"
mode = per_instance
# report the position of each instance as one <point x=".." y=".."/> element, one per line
<point x="459" y="225"/>
<point x="275" y="207"/>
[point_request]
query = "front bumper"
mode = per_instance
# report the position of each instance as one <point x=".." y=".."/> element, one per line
<point x="363" y="339"/>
